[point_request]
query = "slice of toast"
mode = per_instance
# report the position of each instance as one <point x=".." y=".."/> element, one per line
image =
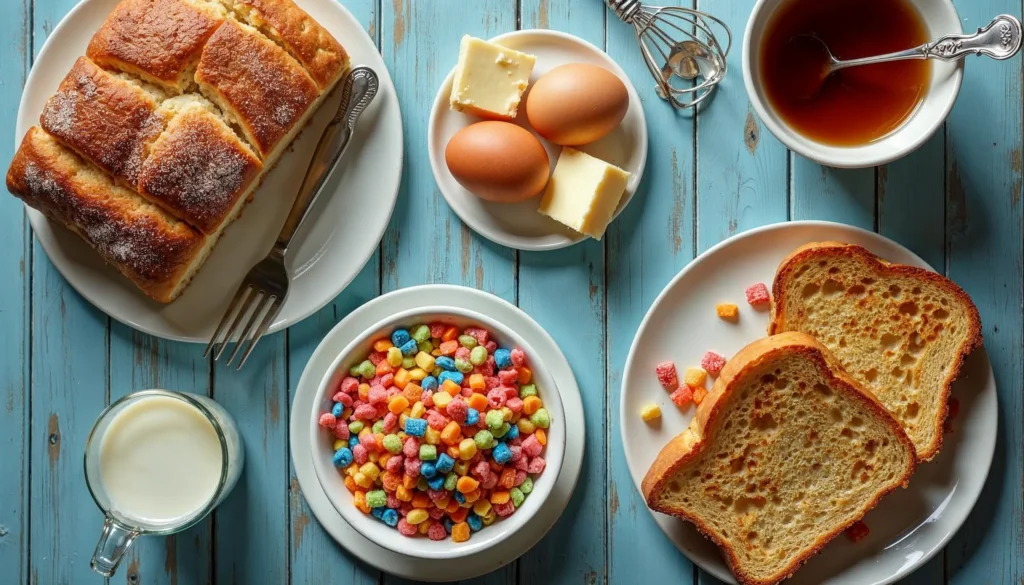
<point x="786" y="452"/>
<point x="901" y="331"/>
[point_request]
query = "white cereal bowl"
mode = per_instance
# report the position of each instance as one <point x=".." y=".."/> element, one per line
<point x="939" y="17"/>
<point x="419" y="546"/>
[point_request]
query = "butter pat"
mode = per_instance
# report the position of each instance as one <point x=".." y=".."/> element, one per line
<point x="490" y="79"/>
<point x="583" y="192"/>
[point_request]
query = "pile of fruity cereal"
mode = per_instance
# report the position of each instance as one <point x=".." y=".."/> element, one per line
<point x="438" y="431"/>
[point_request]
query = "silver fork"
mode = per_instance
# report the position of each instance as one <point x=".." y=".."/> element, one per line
<point x="265" y="287"/>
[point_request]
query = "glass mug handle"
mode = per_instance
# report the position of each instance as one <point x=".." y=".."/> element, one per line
<point x="115" y="540"/>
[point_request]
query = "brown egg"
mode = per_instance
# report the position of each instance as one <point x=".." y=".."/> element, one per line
<point x="498" y="161"/>
<point x="576" y="104"/>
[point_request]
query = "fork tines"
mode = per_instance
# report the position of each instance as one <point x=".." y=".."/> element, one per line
<point x="251" y="301"/>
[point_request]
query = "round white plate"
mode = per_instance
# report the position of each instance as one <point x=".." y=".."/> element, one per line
<point x="908" y="526"/>
<point x="519" y="225"/>
<point x="328" y="252"/>
<point x="335" y="342"/>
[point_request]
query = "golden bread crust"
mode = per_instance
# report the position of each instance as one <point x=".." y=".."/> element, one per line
<point x="257" y="83"/>
<point x="151" y="248"/>
<point x="199" y="169"/>
<point x="158" y="40"/>
<point x="689" y="445"/>
<point x="108" y="120"/>
<point x="323" y="57"/>
<point x="972" y="340"/>
<point x="145" y="168"/>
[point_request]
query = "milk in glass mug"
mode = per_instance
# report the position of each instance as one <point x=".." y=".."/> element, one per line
<point x="157" y="462"/>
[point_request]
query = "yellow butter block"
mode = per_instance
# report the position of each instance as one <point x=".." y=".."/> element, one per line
<point x="583" y="192"/>
<point x="650" y="412"/>
<point x="695" y="377"/>
<point x="489" y="79"/>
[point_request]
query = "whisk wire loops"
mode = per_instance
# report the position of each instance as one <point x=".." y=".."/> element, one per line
<point x="681" y="49"/>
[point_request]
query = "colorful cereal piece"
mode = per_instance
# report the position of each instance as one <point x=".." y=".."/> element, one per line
<point x="415" y="427"/>
<point x="343" y="457"/>
<point x="460" y="532"/>
<point x="667" y="376"/>
<point x="682" y="396"/>
<point x="699" y="394"/>
<point x="857" y="531"/>
<point x="541" y="418"/>
<point x="650" y="412"/>
<point x="757" y="294"/>
<point x="527" y="486"/>
<point x="503" y="358"/>
<point x="727" y="311"/>
<point x="694" y="377"/>
<point x="712" y="363"/>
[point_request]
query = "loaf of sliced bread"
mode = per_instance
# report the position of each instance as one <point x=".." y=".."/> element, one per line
<point x="902" y="332"/>
<point x="785" y="453"/>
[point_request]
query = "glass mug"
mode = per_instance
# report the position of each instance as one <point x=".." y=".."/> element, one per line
<point x="156" y="471"/>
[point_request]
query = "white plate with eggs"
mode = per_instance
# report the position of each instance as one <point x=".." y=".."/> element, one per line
<point x="520" y="225"/>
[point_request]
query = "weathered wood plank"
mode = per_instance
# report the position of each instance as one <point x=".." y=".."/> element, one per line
<point x="251" y="526"/>
<point x="649" y="243"/>
<point x="426" y="242"/>
<point x="575" y="549"/>
<point x="314" y="556"/>
<point x="911" y="201"/>
<point x="138" y="362"/>
<point x="741" y="168"/>
<point x="69" y="382"/>
<point x="842" y="195"/>
<point x="69" y="389"/>
<point x="984" y="222"/>
<point x="16" y="240"/>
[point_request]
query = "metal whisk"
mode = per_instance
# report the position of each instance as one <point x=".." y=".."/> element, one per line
<point x="680" y="46"/>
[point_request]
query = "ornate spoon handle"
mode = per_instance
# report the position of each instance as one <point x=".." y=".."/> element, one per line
<point x="1000" y="39"/>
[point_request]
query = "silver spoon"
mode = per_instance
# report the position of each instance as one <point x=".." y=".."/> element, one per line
<point x="1000" y="39"/>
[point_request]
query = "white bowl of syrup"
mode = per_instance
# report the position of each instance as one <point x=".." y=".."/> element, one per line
<point x="861" y="116"/>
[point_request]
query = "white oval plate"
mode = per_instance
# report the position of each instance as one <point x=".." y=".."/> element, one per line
<point x="910" y="525"/>
<point x="519" y="225"/>
<point x="348" y="221"/>
<point x="352" y="327"/>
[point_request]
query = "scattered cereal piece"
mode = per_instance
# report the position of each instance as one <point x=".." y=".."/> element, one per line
<point x="694" y="377"/>
<point x="727" y="311"/>
<point x="757" y="294"/>
<point x="699" y="394"/>
<point x="460" y="532"/>
<point x="650" y="412"/>
<point x="667" y="375"/>
<point x="683" y="396"/>
<point x="857" y="531"/>
<point x="712" y="363"/>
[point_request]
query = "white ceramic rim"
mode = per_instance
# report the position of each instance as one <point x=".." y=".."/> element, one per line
<point x="438" y="167"/>
<point x="41" y="225"/>
<point x="490" y="536"/>
<point x="971" y="498"/>
<point x="356" y="544"/>
<point x="879" y="152"/>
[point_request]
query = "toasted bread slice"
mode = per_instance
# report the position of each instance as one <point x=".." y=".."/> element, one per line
<point x="786" y="452"/>
<point x="902" y="332"/>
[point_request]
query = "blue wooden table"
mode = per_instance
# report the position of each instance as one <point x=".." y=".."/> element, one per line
<point x="956" y="202"/>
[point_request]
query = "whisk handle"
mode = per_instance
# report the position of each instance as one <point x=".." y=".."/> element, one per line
<point x="624" y="9"/>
